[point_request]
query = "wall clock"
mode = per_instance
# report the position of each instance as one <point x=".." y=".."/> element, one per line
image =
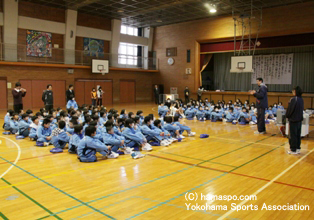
<point x="170" y="61"/>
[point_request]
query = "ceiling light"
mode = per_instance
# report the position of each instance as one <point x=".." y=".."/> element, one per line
<point x="211" y="7"/>
<point x="120" y="11"/>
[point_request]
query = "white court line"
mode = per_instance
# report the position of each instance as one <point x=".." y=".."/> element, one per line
<point x="268" y="184"/>
<point x="153" y="109"/>
<point x="17" y="158"/>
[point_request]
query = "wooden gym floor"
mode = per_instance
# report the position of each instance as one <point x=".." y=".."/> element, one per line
<point x="36" y="184"/>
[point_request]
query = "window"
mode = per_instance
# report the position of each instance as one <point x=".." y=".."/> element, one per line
<point x="128" y="54"/>
<point x="129" y="30"/>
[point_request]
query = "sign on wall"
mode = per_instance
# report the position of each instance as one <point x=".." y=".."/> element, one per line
<point x="93" y="47"/>
<point x="38" y="44"/>
<point x="274" y="69"/>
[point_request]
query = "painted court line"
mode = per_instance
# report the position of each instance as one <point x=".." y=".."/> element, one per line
<point x="30" y="158"/>
<point x="17" y="158"/>
<point x="153" y="180"/>
<point x="63" y="192"/>
<point x="30" y="198"/>
<point x="268" y="184"/>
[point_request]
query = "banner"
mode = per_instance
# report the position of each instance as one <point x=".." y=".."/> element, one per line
<point x="38" y="44"/>
<point x="274" y="69"/>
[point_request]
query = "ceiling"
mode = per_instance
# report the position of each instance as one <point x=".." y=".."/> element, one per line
<point x="144" y="13"/>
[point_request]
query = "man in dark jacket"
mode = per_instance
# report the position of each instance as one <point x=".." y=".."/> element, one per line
<point x="18" y="94"/>
<point x="70" y="93"/>
<point x="48" y="98"/>
<point x="156" y="93"/>
<point x="295" y="116"/>
<point x="261" y="105"/>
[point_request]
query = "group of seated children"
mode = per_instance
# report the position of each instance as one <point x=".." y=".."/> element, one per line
<point x="90" y="130"/>
<point x="205" y="110"/>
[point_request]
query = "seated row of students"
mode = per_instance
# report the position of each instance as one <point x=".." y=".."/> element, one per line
<point x="230" y="112"/>
<point x="111" y="135"/>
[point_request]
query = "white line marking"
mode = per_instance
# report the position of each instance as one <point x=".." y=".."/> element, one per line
<point x="268" y="184"/>
<point x="153" y="109"/>
<point x="17" y="158"/>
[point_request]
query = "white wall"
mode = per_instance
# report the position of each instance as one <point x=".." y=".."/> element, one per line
<point x="93" y="33"/>
<point x="41" y="25"/>
<point x="1" y="19"/>
<point x="143" y="41"/>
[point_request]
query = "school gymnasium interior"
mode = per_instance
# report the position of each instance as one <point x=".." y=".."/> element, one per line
<point x="129" y="46"/>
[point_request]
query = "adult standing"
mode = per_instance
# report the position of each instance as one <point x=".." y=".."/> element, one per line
<point x="70" y="93"/>
<point x="187" y="95"/>
<point x="199" y="93"/>
<point x="18" y="94"/>
<point x="156" y="93"/>
<point x="100" y="92"/>
<point x="295" y="115"/>
<point x="48" y="98"/>
<point x="93" y="95"/>
<point x="261" y="105"/>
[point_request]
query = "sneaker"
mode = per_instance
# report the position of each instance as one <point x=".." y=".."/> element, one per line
<point x="257" y="132"/>
<point x="174" y="139"/>
<point x="113" y="155"/>
<point x="128" y="150"/>
<point x="169" y="142"/>
<point x="224" y="120"/>
<point x="191" y="134"/>
<point x="181" y="136"/>
<point x="298" y="151"/>
<point x="164" y="143"/>
<point x="46" y="143"/>
<point x="137" y="155"/>
<point x="147" y="147"/>
<point x="251" y="123"/>
<point x="32" y="139"/>
<point x="291" y="152"/>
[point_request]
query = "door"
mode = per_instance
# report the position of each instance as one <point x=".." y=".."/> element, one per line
<point x="89" y="85"/>
<point x="4" y="95"/>
<point x="127" y="91"/>
<point x="107" y="88"/>
<point x="38" y="86"/>
<point x="79" y="88"/>
<point x="83" y="90"/>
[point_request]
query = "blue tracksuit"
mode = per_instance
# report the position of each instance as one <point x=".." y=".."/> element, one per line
<point x="133" y="137"/>
<point x="88" y="147"/>
<point x="253" y="116"/>
<point x="162" y="110"/>
<point x="72" y="104"/>
<point x="42" y="133"/>
<point x="69" y="130"/>
<point x="201" y="114"/>
<point x="171" y="128"/>
<point x="281" y="107"/>
<point x="14" y="126"/>
<point x="274" y="110"/>
<point x="243" y="115"/>
<point x="231" y="116"/>
<point x="150" y="133"/>
<point x="74" y="142"/>
<point x="102" y="121"/>
<point x="123" y="116"/>
<point x="216" y="115"/>
<point x="269" y="112"/>
<point x="60" y="140"/>
<point x="182" y="127"/>
<point x="161" y="129"/>
<point x="7" y="120"/>
<point x="33" y="132"/>
<point x="23" y="128"/>
<point x="189" y="113"/>
<point x="113" y="140"/>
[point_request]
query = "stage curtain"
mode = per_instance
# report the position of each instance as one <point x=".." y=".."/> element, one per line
<point x="205" y="59"/>
<point x="302" y="74"/>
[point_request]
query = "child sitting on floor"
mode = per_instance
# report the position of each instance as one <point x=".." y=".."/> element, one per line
<point x="44" y="133"/>
<point x="24" y="125"/>
<point x="116" y="142"/>
<point x="75" y="139"/>
<point x="89" y="146"/>
<point x="60" y="138"/>
<point x="183" y="127"/>
<point x="33" y="128"/>
<point x="135" y="138"/>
